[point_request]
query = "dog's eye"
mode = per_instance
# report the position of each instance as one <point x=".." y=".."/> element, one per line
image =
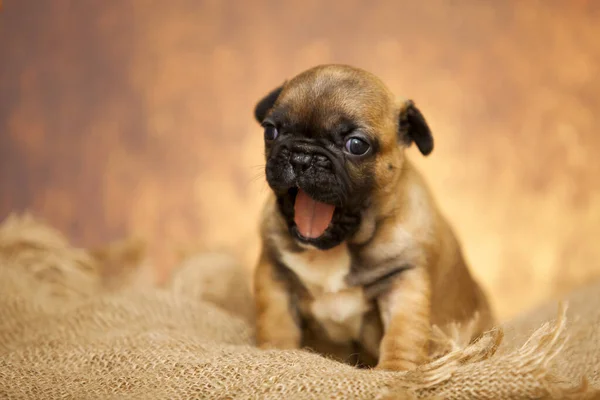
<point x="271" y="133"/>
<point x="357" y="146"/>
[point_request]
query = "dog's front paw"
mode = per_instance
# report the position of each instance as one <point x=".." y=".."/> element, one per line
<point x="396" y="365"/>
<point x="278" y="344"/>
<point x="272" y="346"/>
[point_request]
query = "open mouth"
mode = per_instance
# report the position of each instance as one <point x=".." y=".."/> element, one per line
<point x="312" y="217"/>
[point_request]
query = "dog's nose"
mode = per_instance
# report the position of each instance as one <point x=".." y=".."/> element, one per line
<point x="300" y="161"/>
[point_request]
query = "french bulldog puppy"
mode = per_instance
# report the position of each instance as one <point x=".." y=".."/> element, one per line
<point x="357" y="261"/>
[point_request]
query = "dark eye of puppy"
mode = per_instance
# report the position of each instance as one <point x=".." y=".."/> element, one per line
<point x="271" y="133"/>
<point x="357" y="146"/>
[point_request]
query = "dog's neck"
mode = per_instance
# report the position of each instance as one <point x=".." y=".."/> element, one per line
<point x="398" y="185"/>
<point x="384" y="202"/>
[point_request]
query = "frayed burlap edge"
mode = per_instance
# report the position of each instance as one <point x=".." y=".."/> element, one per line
<point x="530" y="362"/>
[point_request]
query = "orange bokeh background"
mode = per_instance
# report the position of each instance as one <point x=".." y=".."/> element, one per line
<point x="135" y="118"/>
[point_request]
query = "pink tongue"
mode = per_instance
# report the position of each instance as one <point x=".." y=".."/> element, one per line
<point x="312" y="217"/>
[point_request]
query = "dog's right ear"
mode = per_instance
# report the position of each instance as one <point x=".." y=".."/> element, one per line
<point x="266" y="103"/>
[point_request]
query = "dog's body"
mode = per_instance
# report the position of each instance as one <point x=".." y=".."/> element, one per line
<point x="357" y="261"/>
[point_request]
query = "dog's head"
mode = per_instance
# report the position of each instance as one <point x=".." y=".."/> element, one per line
<point x="334" y="138"/>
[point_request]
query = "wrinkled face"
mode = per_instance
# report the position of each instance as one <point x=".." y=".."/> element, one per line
<point x="330" y="139"/>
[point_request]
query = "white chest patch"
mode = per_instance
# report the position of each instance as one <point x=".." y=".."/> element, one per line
<point x="320" y="271"/>
<point x="337" y="307"/>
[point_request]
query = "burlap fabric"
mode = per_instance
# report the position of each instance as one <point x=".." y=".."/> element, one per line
<point x="67" y="332"/>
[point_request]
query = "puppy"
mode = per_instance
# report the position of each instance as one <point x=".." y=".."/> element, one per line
<point x="357" y="261"/>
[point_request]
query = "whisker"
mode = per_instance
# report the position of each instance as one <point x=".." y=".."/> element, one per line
<point x="256" y="178"/>
<point x="264" y="188"/>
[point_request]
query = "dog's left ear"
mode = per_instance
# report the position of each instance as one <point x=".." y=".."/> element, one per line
<point x="266" y="103"/>
<point x="412" y="127"/>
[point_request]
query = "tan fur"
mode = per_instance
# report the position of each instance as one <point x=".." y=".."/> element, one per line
<point x="403" y="224"/>
<point x="406" y="315"/>
<point x="276" y="327"/>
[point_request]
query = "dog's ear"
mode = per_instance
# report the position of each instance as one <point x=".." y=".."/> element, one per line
<point x="412" y="127"/>
<point x="266" y="103"/>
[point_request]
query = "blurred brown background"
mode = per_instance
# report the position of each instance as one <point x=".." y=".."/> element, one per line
<point x="135" y="117"/>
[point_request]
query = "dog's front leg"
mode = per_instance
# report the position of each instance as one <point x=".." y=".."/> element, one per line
<point x="276" y="327"/>
<point x="405" y="312"/>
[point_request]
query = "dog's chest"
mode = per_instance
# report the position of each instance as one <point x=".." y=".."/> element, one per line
<point x="337" y="307"/>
